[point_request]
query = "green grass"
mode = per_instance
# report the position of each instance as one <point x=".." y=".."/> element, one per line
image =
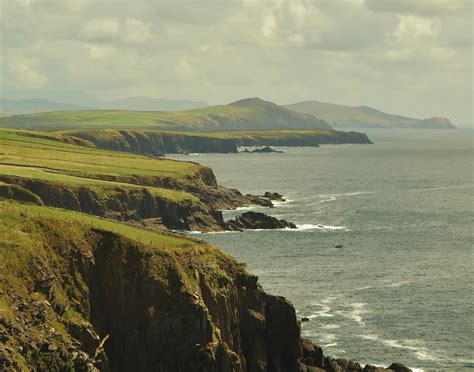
<point x="10" y="213"/>
<point x="105" y="187"/>
<point x="48" y="160"/>
<point x="250" y="114"/>
<point x="84" y="159"/>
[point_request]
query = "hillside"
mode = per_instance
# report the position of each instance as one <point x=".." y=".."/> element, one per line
<point x="247" y="114"/>
<point x="365" y="117"/>
<point x="79" y="293"/>
<point x="116" y="185"/>
<point x="151" y="104"/>
<point x="35" y="105"/>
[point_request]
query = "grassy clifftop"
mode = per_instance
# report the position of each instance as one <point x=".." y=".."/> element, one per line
<point x="107" y="183"/>
<point x="247" y="114"/>
<point x="157" y="143"/>
<point x="78" y="293"/>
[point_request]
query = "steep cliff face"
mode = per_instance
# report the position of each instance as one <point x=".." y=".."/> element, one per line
<point x="151" y="143"/>
<point x="139" y="204"/>
<point x="76" y="297"/>
<point x="161" y="143"/>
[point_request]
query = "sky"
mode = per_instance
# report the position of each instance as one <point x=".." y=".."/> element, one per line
<point x="409" y="57"/>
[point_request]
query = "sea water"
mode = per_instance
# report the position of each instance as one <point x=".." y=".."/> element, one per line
<point x="402" y="288"/>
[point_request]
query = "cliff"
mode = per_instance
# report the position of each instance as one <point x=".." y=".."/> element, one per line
<point x="153" y="143"/>
<point x="154" y="192"/>
<point x="77" y="297"/>
<point x="150" y="143"/>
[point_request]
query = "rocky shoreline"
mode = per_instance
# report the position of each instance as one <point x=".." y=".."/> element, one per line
<point x="93" y="300"/>
<point x="75" y="297"/>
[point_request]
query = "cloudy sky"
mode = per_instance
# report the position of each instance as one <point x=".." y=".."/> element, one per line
<point x="411" y="57"/>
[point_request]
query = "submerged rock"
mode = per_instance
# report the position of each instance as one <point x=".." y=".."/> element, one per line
<point x="257" y="220"/>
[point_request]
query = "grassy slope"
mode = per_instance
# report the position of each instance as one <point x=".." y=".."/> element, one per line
<point x="340" y="114"/>
<point x="10" y="214"/>
<point x="364" y="116"/>
<point x="43" y="159"/>
<point x="247" y="114"/>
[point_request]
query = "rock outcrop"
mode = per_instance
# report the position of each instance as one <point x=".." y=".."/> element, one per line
<point x="257" y="220"/>
<point x="273" y="196"/>
<point x="263" y="150"/>
<point x="138" y="205"/>
<point x="88" y="299"/>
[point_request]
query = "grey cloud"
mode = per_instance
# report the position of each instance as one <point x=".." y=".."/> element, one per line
<point x="421" y="7"/>
<point x="343" y="51"/>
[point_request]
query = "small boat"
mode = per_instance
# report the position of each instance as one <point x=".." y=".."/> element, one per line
<point x="339" y="245"/>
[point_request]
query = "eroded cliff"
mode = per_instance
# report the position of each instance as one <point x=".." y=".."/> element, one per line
<point x="74" y="296"/>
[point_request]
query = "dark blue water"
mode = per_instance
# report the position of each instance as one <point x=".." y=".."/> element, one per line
<point x="402" y="288"/>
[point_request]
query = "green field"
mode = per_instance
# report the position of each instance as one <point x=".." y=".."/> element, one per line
<point x="71" y="165"/>
<point x="248" y="114"/>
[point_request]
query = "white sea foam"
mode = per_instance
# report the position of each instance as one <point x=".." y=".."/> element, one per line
<point x="390" y="285"/>
<point x="441" y="188"/>
<point x="246" y="208"/>
<point x="324" y="311"/>
<point x="419" y="351"/>
<point x="397" y="284"/>
<point x="280" y="203"/>
<point x="333" y="197"/>
<point x="309" y="226"/>
<point x="221" y="232"/>
<point x="355" y="314"/>
<point x="329" y="326"/>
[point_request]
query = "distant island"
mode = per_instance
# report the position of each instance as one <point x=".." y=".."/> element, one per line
<point x="366" y="117"/>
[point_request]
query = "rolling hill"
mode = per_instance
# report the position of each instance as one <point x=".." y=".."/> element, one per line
<point x="246" y="114"/>
<point x="35" y="105"/>
<point x="365" y="117"/>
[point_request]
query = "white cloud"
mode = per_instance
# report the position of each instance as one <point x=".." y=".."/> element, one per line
<point x="101" y="29"/>
<point x="184" y="69"/>
<point x="413" y="27"/>
<point x="219" y="51"/>
<point x="27" y="75"/>
<point x="135" y="31"/>
<point x="100" y="51"/>
<point x="269" y="24"/>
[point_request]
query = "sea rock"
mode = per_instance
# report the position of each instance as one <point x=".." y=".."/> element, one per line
<point x="274" y="196"/>
<point x="257" y="220"/>
<point x="398" y="367"/>
<point x="263" y="150"/>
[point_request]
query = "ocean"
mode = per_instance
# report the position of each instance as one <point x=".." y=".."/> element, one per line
<point x="402" y="288"/>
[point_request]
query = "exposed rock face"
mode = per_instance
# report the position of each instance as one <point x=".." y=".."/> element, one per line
<point x="90" y="299"/>
<point x="156" y="143"/>
<point x="153" y="143"/>
<point x="257" y="220"/>
<point x="139" y="205"/>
